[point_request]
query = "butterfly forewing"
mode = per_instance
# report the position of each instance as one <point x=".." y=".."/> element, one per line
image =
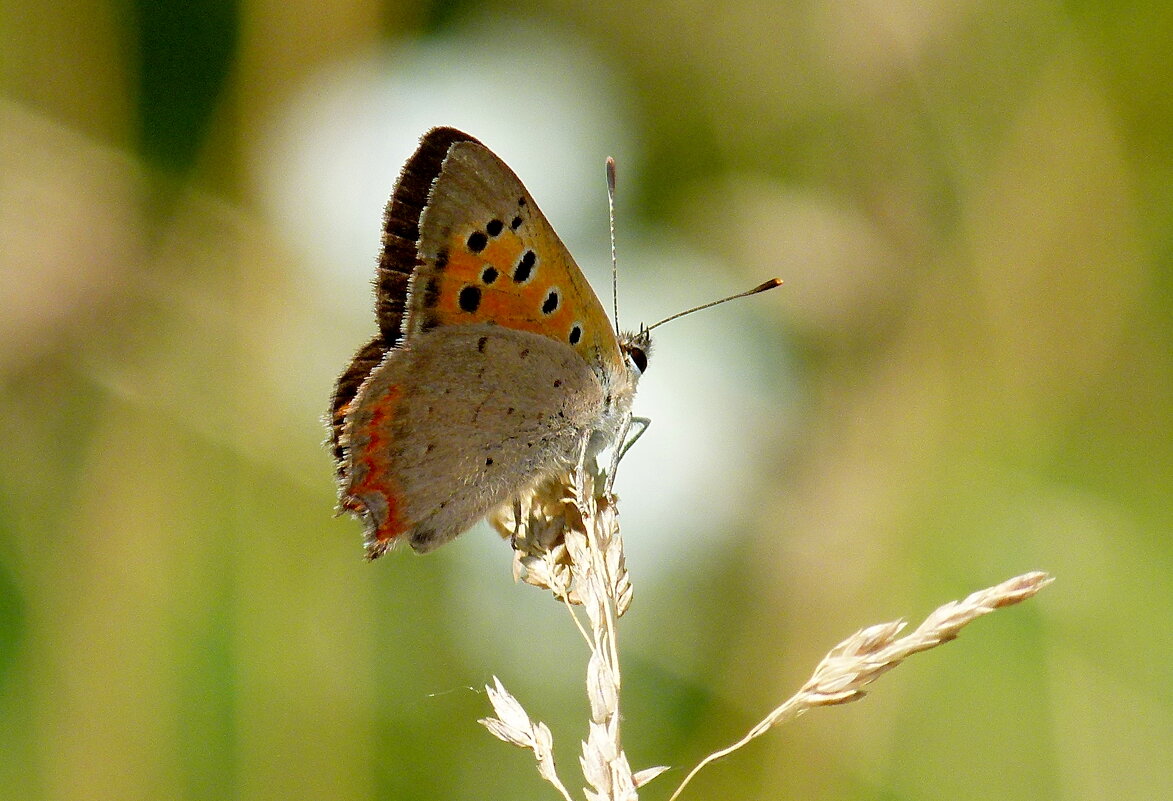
<point x="489" y="255"/>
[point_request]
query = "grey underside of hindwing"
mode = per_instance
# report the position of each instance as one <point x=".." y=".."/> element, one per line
<point x="483" y="412"/>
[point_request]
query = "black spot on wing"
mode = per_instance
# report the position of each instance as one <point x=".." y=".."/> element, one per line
<point x="524" y="270"/>
<point x="550" y="305"/>
<point x="470" y="299"/>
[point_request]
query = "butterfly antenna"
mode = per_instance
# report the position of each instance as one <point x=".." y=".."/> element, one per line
<point x="771" y="284"/>
<point x="611" y="217"/>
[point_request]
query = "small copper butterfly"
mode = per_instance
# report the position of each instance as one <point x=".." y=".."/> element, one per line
<point x="495" y="365"/>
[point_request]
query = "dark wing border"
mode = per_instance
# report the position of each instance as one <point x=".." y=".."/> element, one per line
<point x="398" y="259"/>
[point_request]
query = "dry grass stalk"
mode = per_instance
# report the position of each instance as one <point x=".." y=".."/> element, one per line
<point x="868" y="654"/>
<point x="513" y="725"/>
<point x="566" y="539"/>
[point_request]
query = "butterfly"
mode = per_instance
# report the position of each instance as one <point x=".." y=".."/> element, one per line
<point x="495" y="366"/>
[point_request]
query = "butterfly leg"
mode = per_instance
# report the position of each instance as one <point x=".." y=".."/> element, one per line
<point x="516" y="523"/>
<point x="643" y="423"/>
<point x="625" y="444"/>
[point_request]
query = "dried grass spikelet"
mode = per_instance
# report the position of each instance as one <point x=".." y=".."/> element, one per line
<point x="565" y="535"/>
<point x="513" y="725"/>
<point x="552" y="527"/>
<point x="868" y="654"/>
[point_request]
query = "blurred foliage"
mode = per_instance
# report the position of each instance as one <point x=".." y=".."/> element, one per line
<point x="972" y="207"/>
<point x="183" y="55"/>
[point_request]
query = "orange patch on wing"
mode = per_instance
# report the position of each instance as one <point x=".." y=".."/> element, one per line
<point x="376" y="495"/>
<point x="504" y="301"/>
<point x="518" y="305"/>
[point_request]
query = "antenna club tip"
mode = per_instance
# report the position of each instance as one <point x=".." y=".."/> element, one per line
<point x="773" y="282"/>
<point x="611" y="173"/>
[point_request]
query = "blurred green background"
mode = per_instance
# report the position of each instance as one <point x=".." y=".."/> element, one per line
<point x="968" y="375"/>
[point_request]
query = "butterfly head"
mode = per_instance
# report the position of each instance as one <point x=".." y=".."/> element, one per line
<point x="636" y="347"/>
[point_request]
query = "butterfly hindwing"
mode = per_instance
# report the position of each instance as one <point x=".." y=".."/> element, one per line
<point x="447" y="425"/>
<point x="347" y="387"/>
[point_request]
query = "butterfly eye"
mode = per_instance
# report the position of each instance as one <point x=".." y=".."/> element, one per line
<point x="638" y="358"/>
